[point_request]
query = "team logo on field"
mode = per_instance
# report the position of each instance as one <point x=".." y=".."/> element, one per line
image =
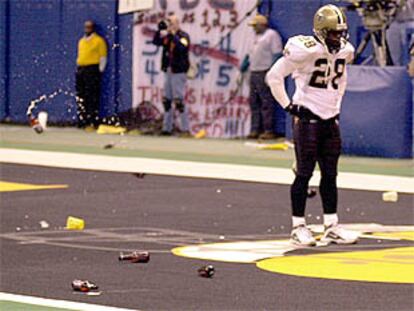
<point x="384" y="254"/>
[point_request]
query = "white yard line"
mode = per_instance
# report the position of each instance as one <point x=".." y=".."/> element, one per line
<point x="198" y="169"/>
<point x="54" y="303"/>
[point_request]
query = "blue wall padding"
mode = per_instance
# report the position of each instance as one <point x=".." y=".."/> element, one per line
<point x="3" y="59"/>
<point x="290" y="18"/>
<point x="124" y="93"/>
<point x="34" y="53"/>
<point x="376" y="118"/>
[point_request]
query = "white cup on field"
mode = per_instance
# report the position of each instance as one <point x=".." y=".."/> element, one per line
<point x="42" y="118"/>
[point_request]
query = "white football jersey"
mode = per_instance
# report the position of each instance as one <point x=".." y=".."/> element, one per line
<point x="320" y="76"/>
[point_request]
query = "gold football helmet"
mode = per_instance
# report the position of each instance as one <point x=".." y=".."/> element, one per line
<point x="330" y="19"/>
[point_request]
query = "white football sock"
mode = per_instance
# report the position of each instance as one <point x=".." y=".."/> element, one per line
<point x="298" y="221"/>
<point x="330" y="219"/>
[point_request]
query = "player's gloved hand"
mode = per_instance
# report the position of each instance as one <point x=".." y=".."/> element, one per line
<point x="294" y="110"/>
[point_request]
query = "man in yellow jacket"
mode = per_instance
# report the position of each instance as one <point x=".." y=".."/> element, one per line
<point x="91" y="63"/>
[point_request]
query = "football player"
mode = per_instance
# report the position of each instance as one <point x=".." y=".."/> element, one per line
<point x="317" y="64"/>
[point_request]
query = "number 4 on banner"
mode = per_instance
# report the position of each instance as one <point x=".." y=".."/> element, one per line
<point x="130" y="6"/>
<point x="151" y="70"/>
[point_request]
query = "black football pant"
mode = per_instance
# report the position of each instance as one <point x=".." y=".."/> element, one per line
<point x="88" y="91"/>
<point x="316" y="141"/>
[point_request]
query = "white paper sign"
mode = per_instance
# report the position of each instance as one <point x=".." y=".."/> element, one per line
<point x="129" y="6"/>
<point x="206" y="22"/>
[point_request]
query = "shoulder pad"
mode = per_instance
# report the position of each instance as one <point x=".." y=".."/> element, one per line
<point x="299" y="48"/>
<point x="349" y="47"/>
<point x="349" y="51"/>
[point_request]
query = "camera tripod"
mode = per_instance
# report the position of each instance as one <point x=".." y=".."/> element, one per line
<point x="381" y="54"/>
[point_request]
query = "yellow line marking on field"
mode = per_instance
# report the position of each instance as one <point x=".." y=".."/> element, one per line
<point x="12" y="186"/>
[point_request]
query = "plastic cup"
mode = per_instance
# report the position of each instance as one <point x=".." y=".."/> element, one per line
<point x="42" y="117"/>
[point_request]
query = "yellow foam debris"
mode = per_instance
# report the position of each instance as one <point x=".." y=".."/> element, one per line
<point x="109" y="129"/>
<point x="74" y="223"/>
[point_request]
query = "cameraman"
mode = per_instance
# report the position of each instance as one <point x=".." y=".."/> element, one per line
<point x="175" y="63"/>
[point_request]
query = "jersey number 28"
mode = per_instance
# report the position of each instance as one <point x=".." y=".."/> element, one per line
<point x="319" y="79"/>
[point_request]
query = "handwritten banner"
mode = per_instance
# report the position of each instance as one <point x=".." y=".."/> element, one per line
<point x="212" y="97"/>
